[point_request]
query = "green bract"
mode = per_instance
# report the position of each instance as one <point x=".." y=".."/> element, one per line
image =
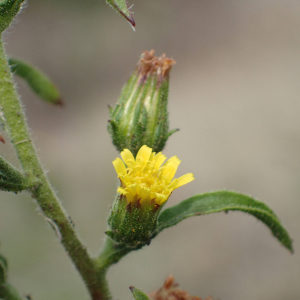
<point x="132" y="225"/>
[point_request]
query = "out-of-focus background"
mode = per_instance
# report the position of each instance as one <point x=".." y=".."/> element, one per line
<point x="235" y="96"/>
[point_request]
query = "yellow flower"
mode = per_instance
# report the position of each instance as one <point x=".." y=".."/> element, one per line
<point x="145" y="180"/>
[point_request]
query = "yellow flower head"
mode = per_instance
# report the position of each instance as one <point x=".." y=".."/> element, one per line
<point x="144" y="179"/>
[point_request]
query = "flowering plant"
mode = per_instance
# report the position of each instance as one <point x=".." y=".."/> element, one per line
<point x="139" y="129"/>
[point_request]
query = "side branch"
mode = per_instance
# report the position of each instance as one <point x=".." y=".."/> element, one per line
<point x="13" y="117"/>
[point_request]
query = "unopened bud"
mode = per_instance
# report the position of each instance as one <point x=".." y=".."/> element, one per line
<point x="141" y="117"/>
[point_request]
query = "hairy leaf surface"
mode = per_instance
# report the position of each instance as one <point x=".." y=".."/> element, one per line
<point x="208" y="203"/>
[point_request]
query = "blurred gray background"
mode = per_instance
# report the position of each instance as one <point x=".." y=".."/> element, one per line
<point x="234" y="94"/>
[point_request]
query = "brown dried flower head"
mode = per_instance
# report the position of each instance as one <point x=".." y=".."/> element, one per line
<point x="149" y="64"/>
<point x="171" y="291"/>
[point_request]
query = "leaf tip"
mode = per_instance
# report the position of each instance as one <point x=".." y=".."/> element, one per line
<point x="59" y="102"/>
<point x="290" y="247"/>
<point x="122" y="7"/>
<point x="128" y="16"/>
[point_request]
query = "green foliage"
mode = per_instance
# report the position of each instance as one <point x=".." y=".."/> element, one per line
<point x="37" y="80"/>
<point x="122" y="8"/>
<point x="138" y="294"/>
<point x="11" y="179"/>
<point x="8" y="10"/>
<point x="138" y="123"/>
<point x="224" y="201"/>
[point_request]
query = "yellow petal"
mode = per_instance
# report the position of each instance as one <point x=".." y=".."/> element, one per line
<point x="144" y="194"/>
<point x="119" y="166"/>
<point x="170" y="169"/>
<point x="146" y="178"/>
<point x="127" y="157"/>
<point x="160" y="199"/>
<point x="184" y="180"/>
<point x="159" y="159"/>
<point x="143" y="155"/>
<point x="174" y="159"/>
<point x="152" y="156"/>
<point x="132" y="189"/>
<point x="129" y="197"/>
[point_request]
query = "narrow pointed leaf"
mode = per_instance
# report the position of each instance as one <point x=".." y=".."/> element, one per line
<point x="8" y="10"/>
<point x="37" y="80"/>
<point x="138" y="294"/>
<point x="122" y="8"/>
<point x="224" y="201"/>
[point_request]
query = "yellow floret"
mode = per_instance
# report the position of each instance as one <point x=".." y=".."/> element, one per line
<point x="145" y="179"/>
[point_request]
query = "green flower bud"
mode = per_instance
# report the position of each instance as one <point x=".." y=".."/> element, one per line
<point x="140" y="117"/>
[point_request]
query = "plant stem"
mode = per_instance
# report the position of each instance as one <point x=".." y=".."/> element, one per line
<point x="111" y="254"/>
<point x="41" y="190"/>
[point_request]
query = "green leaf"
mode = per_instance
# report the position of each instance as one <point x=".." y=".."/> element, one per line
<point x="138" y="294"/>
<point x="224" y="201"/>
<point x="122" y="8"/>
<point x="8" y="292"/>
<point x="37" y="80"/>
<point x="8" y="10"/>
<point x="11" y="179"/>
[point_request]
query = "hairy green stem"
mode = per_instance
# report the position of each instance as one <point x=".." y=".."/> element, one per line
<point x="41" y="190"/>
<point x="111" y="254"/>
